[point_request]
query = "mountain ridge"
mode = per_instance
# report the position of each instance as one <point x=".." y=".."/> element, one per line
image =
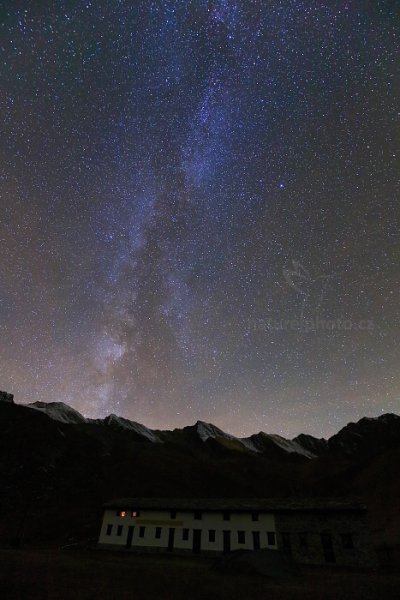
<point x="304" y="445"/>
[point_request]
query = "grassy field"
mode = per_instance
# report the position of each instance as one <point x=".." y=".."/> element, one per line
<point x="81" y="574"/>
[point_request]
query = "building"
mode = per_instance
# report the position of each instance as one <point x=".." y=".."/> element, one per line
<point x="311" y="531"/>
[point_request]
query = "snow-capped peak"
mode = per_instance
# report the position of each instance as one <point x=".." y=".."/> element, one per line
<point x="208" y="430"/>
<point x="115" y="421"/>
<point x="58" y="411"/>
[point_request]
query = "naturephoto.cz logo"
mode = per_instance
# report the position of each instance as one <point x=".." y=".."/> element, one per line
<point x="313" y="324"/>
<point x="311" y="295"/>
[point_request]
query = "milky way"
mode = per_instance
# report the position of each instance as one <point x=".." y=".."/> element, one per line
<point x="200" y="210"/>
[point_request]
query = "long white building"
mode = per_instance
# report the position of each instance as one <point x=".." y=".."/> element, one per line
<point x="312" y="531"/>
<point x="188" y="525"/>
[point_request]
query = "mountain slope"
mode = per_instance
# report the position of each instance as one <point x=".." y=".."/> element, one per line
<point x="58" y="411"/>
<point x="367" y="436"/>
<point x="119" y="423"/>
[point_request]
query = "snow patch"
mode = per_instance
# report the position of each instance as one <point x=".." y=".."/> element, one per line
<point x="249" y="444"/>
<point x="58" y="411"/>
<point x="290" y="446"/>
<point x="208" y="430"/>
<point x="142" y="430"/>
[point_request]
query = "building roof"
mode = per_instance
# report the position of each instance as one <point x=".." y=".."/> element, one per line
<point x="239" y="504"/>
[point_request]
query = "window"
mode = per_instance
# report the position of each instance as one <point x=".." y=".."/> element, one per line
<point x="347" y="541"/>
<point x="197" y="515"/>
<point x="119" y="529"/>
<point x="109" y="530"/>
<point x="256" y="540"/>
<point x="141" y="531"/>
<point x="241" y="537"/>
<point x="303" y="539"/>
<point x="226" y="515"/>
<point x="173" y="514"/>
<point x="211" y="535"/>
<point x="327" y="547"/>
<point x="271" y="538"/>
<point x="254" y="516"/>
<point x="185" y="534"/>
<point x="121" y="513"/>
<point x="135" y="513"/>
<point x="158" y="533"/>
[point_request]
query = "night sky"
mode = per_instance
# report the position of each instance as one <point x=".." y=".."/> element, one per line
<point x="200" y="210"/>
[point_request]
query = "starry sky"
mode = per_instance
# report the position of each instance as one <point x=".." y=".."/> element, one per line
<point x="200" y="210"/>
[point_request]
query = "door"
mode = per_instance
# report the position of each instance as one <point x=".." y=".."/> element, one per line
<point x="196" y="541"/>
<point x="129" y="538"/>
<point x="327" y="547"/>
<point x="227" y="541"/>
<point x="256" y="540"/>
<point x="171" y="537"/>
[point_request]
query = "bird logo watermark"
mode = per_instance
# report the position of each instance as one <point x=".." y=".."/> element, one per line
<point x="312" y="292"/>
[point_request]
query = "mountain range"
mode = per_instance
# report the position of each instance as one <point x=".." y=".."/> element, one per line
<point x="57" y="468"/>
<point x="355" y="437"/>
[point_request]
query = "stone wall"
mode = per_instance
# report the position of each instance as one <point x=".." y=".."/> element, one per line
<point x="339" y="538"/>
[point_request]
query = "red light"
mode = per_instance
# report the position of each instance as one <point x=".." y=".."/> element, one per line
<point x="122" y="513"/>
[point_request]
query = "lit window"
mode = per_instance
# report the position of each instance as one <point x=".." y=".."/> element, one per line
<point x="211" y="535"/>
<point x="271" y="538"/>
<point x="241" y="537"/>
<point x="135" y="513"/>
<point x="109" y="530"/>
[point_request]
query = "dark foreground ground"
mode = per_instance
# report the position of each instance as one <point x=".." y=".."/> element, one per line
<point x="47" y="574"/>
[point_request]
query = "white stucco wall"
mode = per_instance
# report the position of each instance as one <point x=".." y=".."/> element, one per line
<point x="150" y="519"/>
